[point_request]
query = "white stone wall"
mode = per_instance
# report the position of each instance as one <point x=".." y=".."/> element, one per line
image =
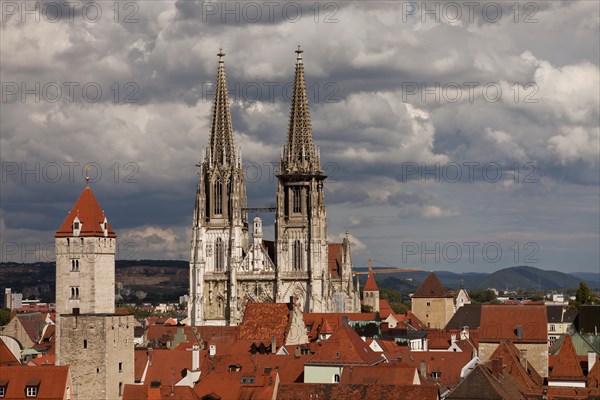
<point x="94" y="277"/>
<point x="99" y="351"/>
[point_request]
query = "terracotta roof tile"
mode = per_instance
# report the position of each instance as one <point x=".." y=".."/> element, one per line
<point x="34" y="324"/>
<point x="482" y="384"/>
<point x="432" y="287"/>
<point x="567" y="364"/>
<point x="528" y="377"/>
<point x="593" y="378"/>
<point x="500" y="322"/>
<point x="53" y="380"/>
<point x="364" y="392"/>
<point x="6" y="356"/>
<point x="142" y="392"/>
<point x="167" y="364"/>
<point x="90" y="215"/>
<point x="237" y="385"/>
<point x="262" y="321"/>
<point x="343" y="347"/>
<point x="334" y="260"/>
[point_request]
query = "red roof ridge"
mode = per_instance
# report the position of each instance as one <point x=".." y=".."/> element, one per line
<point x="567" y="364"/>
<point x="90" y="215"/>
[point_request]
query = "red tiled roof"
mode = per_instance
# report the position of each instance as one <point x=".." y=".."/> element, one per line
<point x="167" y="364"/>
<point x="264" y="320"/>
<point x="34" y="324"/>
<point x="482" y="384"/>
<point x="528" y="378"/>
<point x="380" y="374"/>
<point x="371" y="285"/>
<point x="316" y="320"/>
<point x="6" y="356"/>
<point x="232" y="385"/>
<point x="432" y="287"/>
<point x="385" y="309"/>
<point x="343" y="347"/>
<point x="289" y="367"/>
<point x="140" y="357"/>
<point x="567" y="366"/>
<point x="44" y="360"/>
<point x="326" y="328"/>
<point x="448" y="363"/>
<point x="334" y="260"/>
<point x="500" y="322"/>
<point x="53" y="381"/>
<point x="593" y="378"/>
<point x="164" y="333"/>
<point x="305" y="391"/>
<point x="90" y="215"/>
<point x="165" y="392"/>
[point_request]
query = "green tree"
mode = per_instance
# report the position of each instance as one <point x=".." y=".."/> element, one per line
<point x="366" y="309"/>
<point x="4" y="316"/>
<point x="482" y="296"/>
<point x="584" y="294"/>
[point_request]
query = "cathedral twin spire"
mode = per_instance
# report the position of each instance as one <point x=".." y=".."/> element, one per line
<point x="221" y="150"/>
<point x="299" y="153"/>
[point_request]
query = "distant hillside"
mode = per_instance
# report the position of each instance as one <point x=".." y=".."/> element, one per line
<point x="524" y="277"/>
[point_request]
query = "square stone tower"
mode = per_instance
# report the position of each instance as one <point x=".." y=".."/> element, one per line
<point x="91" y="338"/>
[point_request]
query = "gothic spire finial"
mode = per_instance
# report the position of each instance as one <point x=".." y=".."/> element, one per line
<point x="300" y="151"/>
<point x="222" y="149"/>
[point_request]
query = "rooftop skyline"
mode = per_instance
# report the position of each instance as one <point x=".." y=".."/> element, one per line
<point x="505" y="171"/>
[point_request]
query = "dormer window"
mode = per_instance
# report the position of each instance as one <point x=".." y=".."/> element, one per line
<point x="76" y="226"/>
<point x="31" y="390"/>
<point x="3" y="390"/>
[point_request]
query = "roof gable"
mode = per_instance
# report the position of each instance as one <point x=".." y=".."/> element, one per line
<point x="90" y="215"/>
<point x="344" y="346"/>
<point x="432" y="287"/>
<point x="567" y="364"/>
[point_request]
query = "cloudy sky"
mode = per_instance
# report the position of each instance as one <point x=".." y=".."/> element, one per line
<point x="455" y="137"/>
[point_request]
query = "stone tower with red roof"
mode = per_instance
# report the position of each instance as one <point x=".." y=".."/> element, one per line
<point x="95" y="342"/>
<point x="371" y="292"/>
<point x="432" y="303"/>
<point x="85" y="259"/>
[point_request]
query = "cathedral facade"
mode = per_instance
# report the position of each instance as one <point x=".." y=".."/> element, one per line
<point x="228" y="269"/>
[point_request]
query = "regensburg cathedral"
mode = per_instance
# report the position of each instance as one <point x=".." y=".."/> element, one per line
<point x="227" y="269"/>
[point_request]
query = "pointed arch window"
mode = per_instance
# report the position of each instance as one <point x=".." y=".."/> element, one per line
<point x="297" y="256"/>
<point x="296" y="199"/>
<point x="219" y="255"/>
<point x="218" y="197"/>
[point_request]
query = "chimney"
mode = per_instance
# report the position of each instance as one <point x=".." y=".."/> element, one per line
<point x="297" y="352"/>
<point x="273" y="344"/>
<point x="591" y="360"/>
<point x="212" y="350"/>
<point x="453" y="338"/>
<point x="425" y="345"/>
<point x="523" y="358"/>
<point x="496" y="367"/>
<point x="465" y="333"/>
<point x="149" y="355"/>
<point x="519" y="332"/>
<point x="195" y="357"/>
<point x="423" y="369"/>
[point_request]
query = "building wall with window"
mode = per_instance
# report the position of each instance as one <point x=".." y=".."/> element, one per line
<point x="322" y="373"/>
<point x="98" y="349"/>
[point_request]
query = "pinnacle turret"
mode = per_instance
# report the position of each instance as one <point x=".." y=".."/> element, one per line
<point x="299" y="153"/>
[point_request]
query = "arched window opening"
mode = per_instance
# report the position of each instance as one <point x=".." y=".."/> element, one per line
<point x="218" y="197"/>
<point x="297" y="256"/>
<point x="219" y="255"/>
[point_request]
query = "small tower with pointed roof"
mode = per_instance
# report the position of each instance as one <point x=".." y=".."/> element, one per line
<point x="301" y="219"/>
<point x="432" y="303"/>
<point x="85" y="259"/>
<point x="220" y="223"/>
<point x="371" y="291"/>
<point x="95" y="342"/>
